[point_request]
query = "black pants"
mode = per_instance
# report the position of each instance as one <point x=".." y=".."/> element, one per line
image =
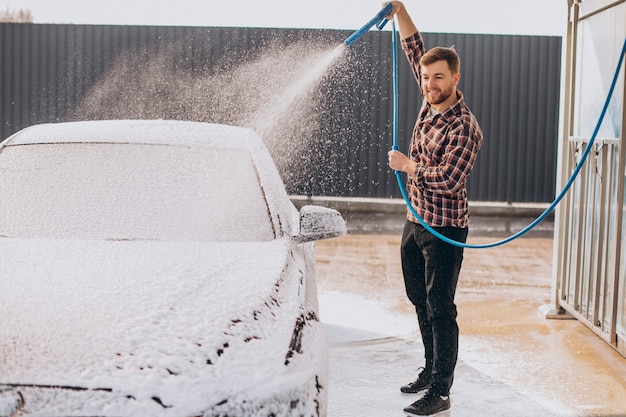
<point x="431" y="272"/>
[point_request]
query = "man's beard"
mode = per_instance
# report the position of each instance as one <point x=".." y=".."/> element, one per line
<point x="443" y="96"/>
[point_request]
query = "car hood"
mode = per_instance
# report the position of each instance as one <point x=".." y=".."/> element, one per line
<point x="148" y="320"/>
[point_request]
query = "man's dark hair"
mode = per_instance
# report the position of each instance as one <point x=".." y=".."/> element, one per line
<point x="440" y="53"/>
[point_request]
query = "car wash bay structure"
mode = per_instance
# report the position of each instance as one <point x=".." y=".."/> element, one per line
<point x="589" y="280"/>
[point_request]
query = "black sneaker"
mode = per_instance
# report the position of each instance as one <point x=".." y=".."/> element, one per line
<point x="424" y="380"/>
<point x="429" y="404"/>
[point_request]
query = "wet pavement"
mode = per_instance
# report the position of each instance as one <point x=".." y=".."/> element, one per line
<point x="512" y="360"/>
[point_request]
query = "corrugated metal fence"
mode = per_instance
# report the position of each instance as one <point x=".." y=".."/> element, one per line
<point x="326" y="121"/>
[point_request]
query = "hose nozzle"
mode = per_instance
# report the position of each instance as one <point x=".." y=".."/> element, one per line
<point x="379" y="20"/>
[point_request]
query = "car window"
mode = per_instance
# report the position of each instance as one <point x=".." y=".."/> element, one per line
<point x="131" y="191"/>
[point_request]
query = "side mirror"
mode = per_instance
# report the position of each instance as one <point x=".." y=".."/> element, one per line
<point x="318" y="223"/>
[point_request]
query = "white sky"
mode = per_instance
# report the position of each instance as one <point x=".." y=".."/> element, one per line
<point x="528" y="17"/>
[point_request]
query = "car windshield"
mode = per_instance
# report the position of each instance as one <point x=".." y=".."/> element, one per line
<point x="131" y="192"/>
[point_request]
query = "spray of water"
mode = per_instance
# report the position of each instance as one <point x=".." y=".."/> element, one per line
<point x="276" y="93"/>
<point x="268" y="117"/>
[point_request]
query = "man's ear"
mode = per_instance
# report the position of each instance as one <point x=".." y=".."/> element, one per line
<point x="457" y="78"/>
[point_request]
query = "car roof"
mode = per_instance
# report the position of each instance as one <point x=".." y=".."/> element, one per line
<point x="154" y="132"/>
<point x="172" y="133"/>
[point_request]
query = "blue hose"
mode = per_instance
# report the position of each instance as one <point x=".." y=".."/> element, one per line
<point x="378" y="20"/>
<point x="547" y="211"/>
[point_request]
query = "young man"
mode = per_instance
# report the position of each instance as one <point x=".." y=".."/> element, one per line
<point x="445" y="142"/>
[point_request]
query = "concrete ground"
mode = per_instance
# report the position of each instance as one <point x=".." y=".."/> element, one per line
<point x="512" y="360"/>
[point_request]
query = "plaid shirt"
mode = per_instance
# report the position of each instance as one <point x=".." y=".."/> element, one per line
<point x="445" y="146"/>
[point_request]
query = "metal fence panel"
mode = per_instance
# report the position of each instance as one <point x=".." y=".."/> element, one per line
<point x="333" y="140"/>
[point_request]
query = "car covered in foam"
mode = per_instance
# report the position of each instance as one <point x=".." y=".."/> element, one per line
<point x="156" y="268"/>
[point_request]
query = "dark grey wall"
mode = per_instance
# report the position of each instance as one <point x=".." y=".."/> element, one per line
<point x="331" y="141"/>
